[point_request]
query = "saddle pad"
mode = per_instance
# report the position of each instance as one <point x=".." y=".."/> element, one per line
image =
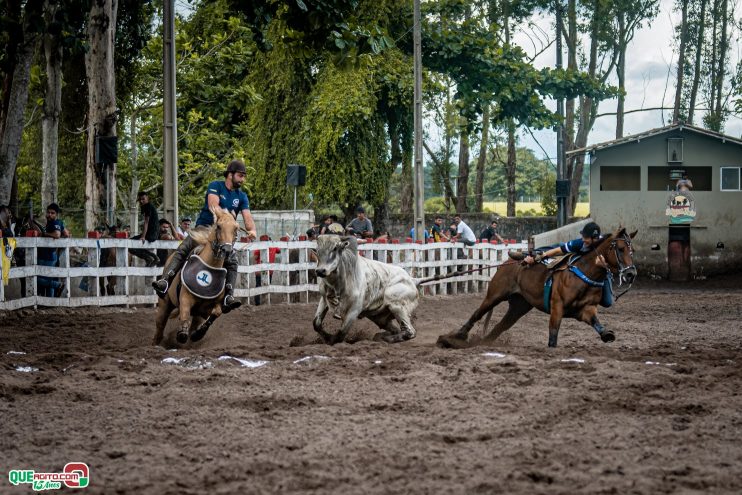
<point x="202" y="280"/>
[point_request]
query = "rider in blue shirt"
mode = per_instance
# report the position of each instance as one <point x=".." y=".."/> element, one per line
<point x="590" y="233"/>
<point x="227" y="195"/>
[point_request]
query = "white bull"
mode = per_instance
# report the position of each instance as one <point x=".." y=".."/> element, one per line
<point x="357" y="287"/>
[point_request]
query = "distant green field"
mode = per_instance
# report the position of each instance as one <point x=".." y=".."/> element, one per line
<point x="501" y="208"/>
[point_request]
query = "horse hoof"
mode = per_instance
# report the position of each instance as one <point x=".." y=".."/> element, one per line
<point x="450" y="342"/>
<point x="607" y="336"/>
<point x="182" y="337"/>
<point x="199" y="334"/>
<point x="381" y="336"/>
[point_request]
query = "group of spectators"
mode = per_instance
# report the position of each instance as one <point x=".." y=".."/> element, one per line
<point x="361" y="227"/>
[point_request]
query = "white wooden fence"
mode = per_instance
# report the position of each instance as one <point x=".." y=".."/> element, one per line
<point x="288" y="279"/>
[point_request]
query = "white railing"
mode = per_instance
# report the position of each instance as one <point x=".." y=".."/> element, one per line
<point x="288" y="279"/>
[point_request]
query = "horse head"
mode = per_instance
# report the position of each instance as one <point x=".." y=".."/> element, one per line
<point x="620" y="255"/>
<point x="222" y="235"/>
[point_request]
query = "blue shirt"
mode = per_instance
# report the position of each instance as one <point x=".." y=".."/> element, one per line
<point x="50" y="254"/>
<point x="412" y="233"/>
<point x="575" y="246"/>
<point x="235" y="201"/>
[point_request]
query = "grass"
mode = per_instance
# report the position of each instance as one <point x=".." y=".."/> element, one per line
<point x="501" y="207"/>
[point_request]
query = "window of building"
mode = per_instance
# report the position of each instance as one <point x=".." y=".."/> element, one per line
<point x="620" y="178"/>
<point x="666" y="178"/>
<point x="730" y="179"/>
<point x="675" y="150"/>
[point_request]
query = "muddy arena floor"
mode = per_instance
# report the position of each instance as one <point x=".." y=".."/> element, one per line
<point x="657" y="411"/>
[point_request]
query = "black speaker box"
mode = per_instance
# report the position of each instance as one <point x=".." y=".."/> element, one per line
<point x="296" y="175"/>
<point x="106" y="150"/>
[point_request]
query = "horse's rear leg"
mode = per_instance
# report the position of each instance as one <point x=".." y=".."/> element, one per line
<point x="555" y="321"/>
<point x="458" y="338"/>
<point x="589" y="315"/>
<point x="185" y="321"/>
<point x="517" y="307"/>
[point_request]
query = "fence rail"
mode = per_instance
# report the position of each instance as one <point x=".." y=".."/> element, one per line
<point x="104" y="272"/>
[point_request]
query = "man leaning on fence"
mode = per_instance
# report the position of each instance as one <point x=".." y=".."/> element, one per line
<point x="50" y="287"/>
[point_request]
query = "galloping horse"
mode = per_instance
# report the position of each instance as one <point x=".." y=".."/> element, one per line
<point x="215" y="244"/>
<point x="571" y="295"/>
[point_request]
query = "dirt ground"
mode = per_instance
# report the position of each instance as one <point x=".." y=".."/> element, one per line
<point x="658" y="411"/>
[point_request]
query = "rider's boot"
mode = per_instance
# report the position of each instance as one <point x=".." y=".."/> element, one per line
<point x="517" y="255"/>
<point x="230" y="302"/>
<point x="162" y="285"/>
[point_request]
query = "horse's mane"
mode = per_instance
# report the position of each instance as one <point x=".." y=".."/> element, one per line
<point x="204" y="236"/>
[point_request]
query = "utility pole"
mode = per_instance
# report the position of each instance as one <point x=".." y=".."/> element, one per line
<point x="170" y="118"/>
<point x="419" y="190"/>
<point x="562" y="184"/>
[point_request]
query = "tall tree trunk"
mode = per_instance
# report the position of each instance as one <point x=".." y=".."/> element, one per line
<point x="102" y="116"/>
<point x="576" y="164"/>
<point x="510" y="169"/>
<point x="10" y="140"/>
<point x="134" y="191"/>
<point x="481" y="161"/>
<point x="571" y="42"/>
<point x="405" y="202"/>
<point x="681" y="61"/>
<point x="697" y="65"/>
<point x="723" y="48"/>
<point x="712" y="64"/>
<point x="462" y="188"/>
<point x="621" y="73"/>
<point x="52" y="109"/>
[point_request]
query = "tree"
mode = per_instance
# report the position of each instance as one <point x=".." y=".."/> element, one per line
<point x="22" y="46"/>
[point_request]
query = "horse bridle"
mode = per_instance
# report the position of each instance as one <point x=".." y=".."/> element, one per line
<point x="222" y="249"/>
<point x="621" y="267"/>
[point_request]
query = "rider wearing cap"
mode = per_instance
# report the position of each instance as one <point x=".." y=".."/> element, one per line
<point x="227" y="195"/>
<point x="590" y="235"/>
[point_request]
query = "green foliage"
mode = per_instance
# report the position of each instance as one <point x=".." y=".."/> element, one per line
<point x="436" y="205"/>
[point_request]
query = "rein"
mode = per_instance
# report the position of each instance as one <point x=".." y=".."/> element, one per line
<point x="456" y="274"/>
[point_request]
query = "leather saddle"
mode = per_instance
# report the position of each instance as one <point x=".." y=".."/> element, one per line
<point x="202" y="280"/>
<point x="561" y="262"/>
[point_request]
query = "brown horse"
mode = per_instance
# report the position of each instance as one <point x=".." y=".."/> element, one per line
<point x="215" y="244"/>
<point x="523" y="287"/>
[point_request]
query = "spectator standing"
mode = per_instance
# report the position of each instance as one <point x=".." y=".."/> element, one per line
<point x="150" y="229"/>
<point x="50" y="287"/>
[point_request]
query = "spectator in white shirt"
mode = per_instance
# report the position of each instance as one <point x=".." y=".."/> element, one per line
<point x="463" y="232"/>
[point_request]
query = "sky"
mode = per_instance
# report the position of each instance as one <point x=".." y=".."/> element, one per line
<point x="649" y="58"/>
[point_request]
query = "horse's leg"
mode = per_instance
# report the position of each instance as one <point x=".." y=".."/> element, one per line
<point x="164" y="308"/>
<point x="186" y="303"/>
<point x="319" y="317"/>
<point x="458" y="338"/>
<point x="200" y="332"/>
<point x="517" y="307"/>
<point x="557" y="311"/>
<point x="589" y="315"/>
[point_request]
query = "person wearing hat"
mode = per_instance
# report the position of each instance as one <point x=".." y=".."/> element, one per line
<point x="227" y="195"/>
<point x="360" y="226"/>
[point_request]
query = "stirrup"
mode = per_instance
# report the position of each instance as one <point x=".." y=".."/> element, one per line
<point x="227" y="307"/>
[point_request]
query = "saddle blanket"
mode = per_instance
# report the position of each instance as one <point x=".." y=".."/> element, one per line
<point x="203" y="280"/>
